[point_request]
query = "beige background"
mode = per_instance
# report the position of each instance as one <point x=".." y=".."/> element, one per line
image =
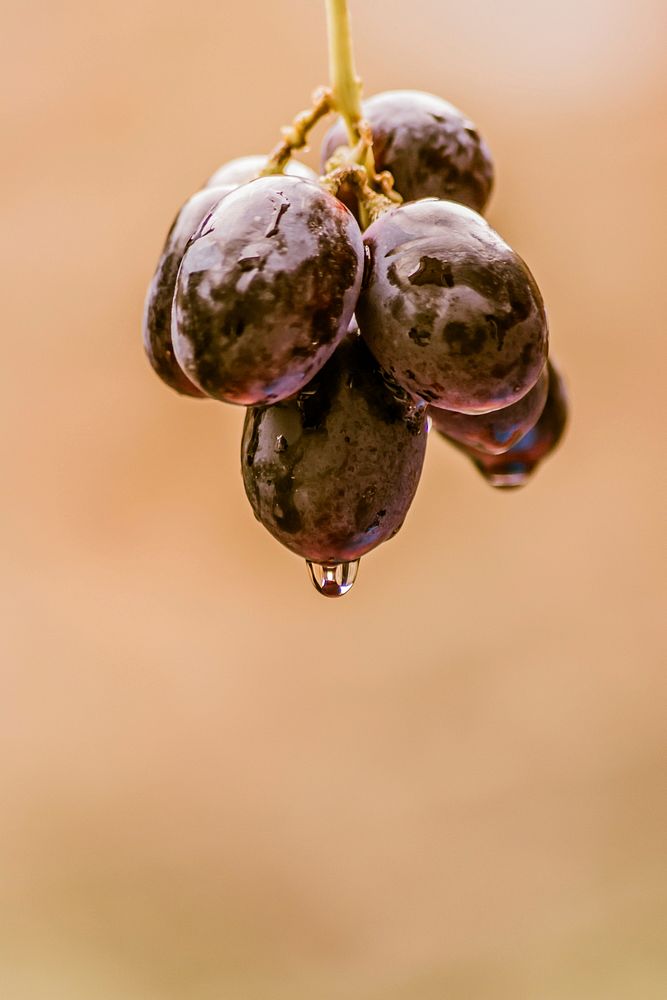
<point x="215" y="785"/>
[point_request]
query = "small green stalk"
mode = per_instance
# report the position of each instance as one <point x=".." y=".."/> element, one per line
<point x="344" y="81"/>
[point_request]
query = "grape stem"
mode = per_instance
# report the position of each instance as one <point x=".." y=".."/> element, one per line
<point x="346" y="91"/>
<point x="372" y="204"/>
<point x="345" y="83"/>
<point x="295" y="136"/>
<point x="353" y="165"/>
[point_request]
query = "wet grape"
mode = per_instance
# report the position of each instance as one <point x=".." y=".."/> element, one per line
<point x="247" y="168"/>
<point x="331" y="472"/>
<point x="450" y="310"/>
<point x="345" y="347"/>
<point x="497" y="431"/>
<point x="515" y="467"/>
<point x="429" y="146"/>
<point x="157" y="309"/>
<point x="267" y="290"/>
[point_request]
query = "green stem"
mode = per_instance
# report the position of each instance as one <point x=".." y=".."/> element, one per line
<point x="344" y="81"/>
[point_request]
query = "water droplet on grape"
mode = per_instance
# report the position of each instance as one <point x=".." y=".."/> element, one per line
<point x="333" y="579"/>
<point x="507" y="479"/>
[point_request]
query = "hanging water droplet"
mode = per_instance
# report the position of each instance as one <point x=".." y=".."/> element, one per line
<point x="508" y="481"/>
<point x="506" y="477"/>
<point x="333" y="579"/>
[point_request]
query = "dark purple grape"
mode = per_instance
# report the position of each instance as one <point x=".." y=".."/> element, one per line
<point x="429" y="146"/>
<point x="331" y="472"/>
<point x="267" y="290"/>
<point x="450" y="310"/>
<point x="497" y="431"/>
<point x="157" y="309"/>
<point x="516" y="466"/>
<point x="247" y="168"/>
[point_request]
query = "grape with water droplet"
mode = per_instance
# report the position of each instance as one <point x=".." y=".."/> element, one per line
<point x="266" y="291"/>
<point x="331" y="472"/>
<point x="450" y="309"/>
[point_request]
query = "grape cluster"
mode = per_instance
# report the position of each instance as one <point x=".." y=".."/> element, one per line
<point x="349" y="313"/>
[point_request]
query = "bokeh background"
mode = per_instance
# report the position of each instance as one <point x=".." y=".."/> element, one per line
<point x="214" y="784"/>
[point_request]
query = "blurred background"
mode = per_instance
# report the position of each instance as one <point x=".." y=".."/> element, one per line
<point x="214" y="783"/>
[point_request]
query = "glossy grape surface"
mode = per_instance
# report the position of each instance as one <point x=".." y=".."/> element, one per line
<point x="267" y="290"/>
<point x="450" y="310"/>
<point x="331" y="472"/>
<point x="157" y="309"/>
<point x="497" y="431"/>
<point x="516" y="466"/>
<point x="429" y="146"/>
<point x="247" y="168"/>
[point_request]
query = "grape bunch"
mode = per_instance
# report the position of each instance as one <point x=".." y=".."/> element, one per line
<point x="350" y="313"/>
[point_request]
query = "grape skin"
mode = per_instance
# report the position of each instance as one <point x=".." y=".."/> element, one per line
<point x="450" y="310"/>
<point x="331" y="472"/>
<point x="497" y="431"/>
<point x="267" y="290"/>
<point x="158" y="304"/>
<point x="429" y="146"/>
<point x="247" y="168"/>
<point x="516" y="466"/>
